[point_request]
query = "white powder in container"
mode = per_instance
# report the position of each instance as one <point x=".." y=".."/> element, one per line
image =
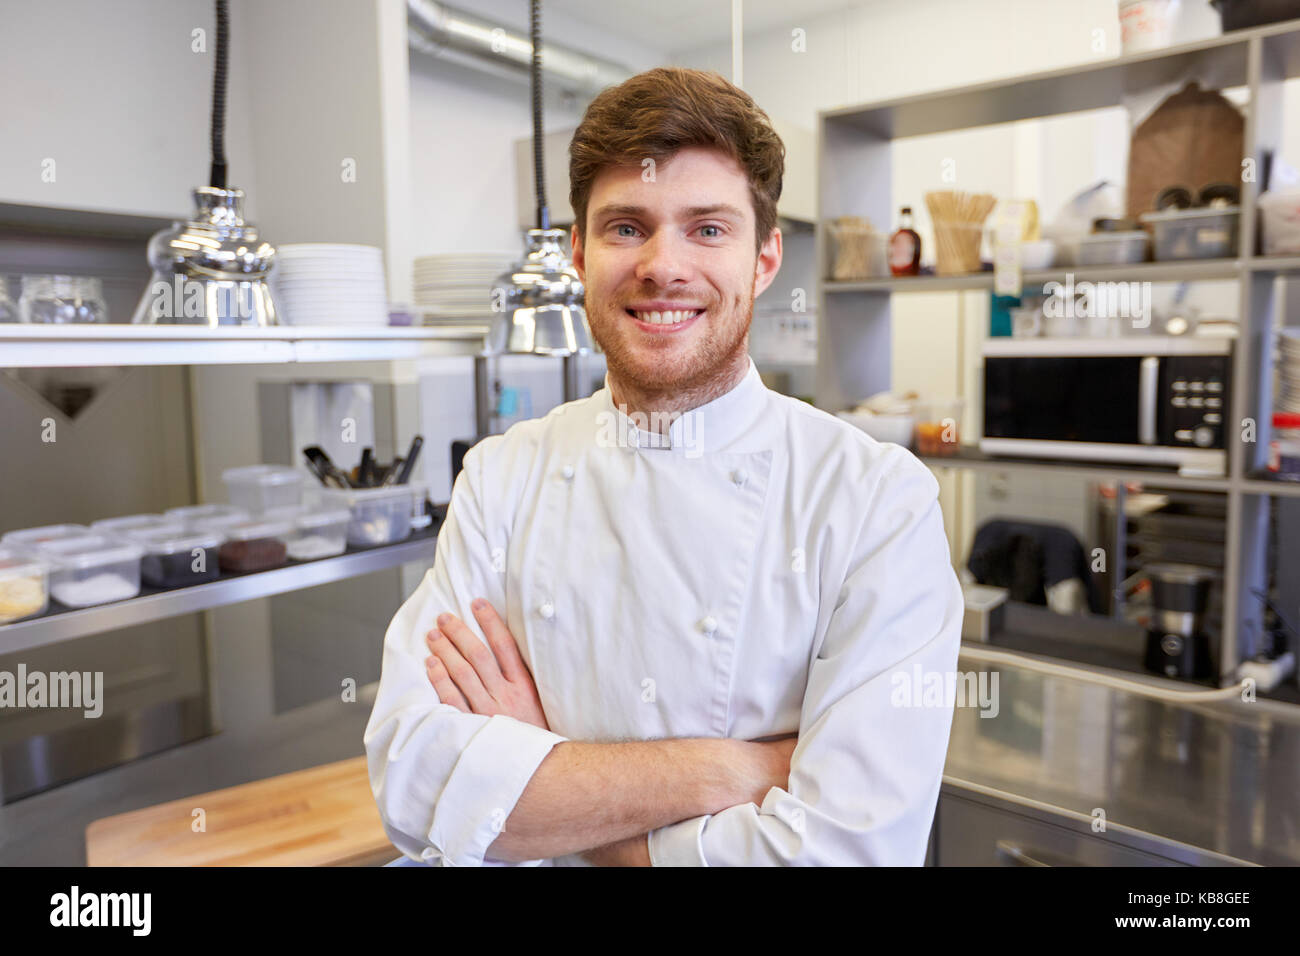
<point x="96" y="589"/>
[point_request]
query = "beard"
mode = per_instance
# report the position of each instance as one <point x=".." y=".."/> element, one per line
<point x="667" y="369"/>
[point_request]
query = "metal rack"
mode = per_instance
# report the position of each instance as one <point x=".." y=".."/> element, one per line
<point x="854" y="340"/>
<point x="155" y="605"/>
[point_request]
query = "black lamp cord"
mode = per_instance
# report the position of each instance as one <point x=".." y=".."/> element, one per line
<point x="217" y="175"/>
<point x="543" y="211"/>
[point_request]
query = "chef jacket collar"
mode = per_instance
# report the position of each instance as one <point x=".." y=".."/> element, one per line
<point x="709" y="427"/>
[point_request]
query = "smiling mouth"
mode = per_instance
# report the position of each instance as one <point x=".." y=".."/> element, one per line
<point x="665" y="321"/>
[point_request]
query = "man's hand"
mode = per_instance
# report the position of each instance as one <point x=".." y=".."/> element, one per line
<point x="473" y="678"/>
<point x="634" y="851"/>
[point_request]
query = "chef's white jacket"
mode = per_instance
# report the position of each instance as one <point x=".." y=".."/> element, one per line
<point x="765" y="569"/>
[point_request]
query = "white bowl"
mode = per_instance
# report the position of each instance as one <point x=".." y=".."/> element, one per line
<point x="1037" y="255"/>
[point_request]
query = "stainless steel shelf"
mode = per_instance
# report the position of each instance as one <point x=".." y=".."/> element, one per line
<point x="61" y="625"/>
<point x="976" y="461"/>
<point x="1205" y="270"/>
<point x="1222" y="60"/>
<point x="1270" y="486"/>
<point x="69" y="346"/>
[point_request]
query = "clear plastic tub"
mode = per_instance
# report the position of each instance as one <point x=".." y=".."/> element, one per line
<point x="92" y="569"/>
<point x="379" y="515"/>
<point x="1209" y="233"/>
<point x="1114" y="248"/>
<point x="261" y="487"/>
<point x="174" y="560"/>
<point x="218" y="522"/>
<point x="28" y="538"/>
<point x="254" y="545"/>
<point x="189" y="514"/>
<point x="317" y="531"/>
<point x="420" y="519"/>
<point x="24" y="585"/>
<point x="938" y="427"/>
<point x="129" y="526"/>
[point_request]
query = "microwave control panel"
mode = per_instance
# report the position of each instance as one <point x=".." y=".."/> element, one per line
<point x="1195" y="393"/>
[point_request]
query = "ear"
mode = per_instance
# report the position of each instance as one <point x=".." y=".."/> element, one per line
<point x="768" y="262"/>
<point x="579" y="254"/>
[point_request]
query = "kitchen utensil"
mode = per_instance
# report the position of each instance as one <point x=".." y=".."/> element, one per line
<point x="408" y="462"/>
<point x="367" y="467"/>
<point x="958" y="219"/>
<point x="329" y="475"/>
<point x="858" y="251"/>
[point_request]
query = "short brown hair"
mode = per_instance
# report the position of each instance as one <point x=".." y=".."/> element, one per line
<point x="658" y="112"/>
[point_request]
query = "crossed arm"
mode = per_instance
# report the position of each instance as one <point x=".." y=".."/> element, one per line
<point x="598" y="799"/>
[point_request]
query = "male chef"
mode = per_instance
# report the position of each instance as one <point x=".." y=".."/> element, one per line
<point x="666" y="624"/>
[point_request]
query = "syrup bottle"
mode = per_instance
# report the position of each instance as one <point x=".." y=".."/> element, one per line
<point x="905" y="247"/>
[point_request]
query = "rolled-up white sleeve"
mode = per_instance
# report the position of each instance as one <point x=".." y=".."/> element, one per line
<point x="445" y="781"/>
<point x="865" y="776"/>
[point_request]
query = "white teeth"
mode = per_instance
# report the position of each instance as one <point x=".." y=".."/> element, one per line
<point x="666" y="318"/>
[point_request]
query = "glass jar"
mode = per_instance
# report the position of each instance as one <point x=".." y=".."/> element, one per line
<point x="62" y="300"/>
<point x="8" y="310"/>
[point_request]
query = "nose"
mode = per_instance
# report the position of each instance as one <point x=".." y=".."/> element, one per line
<point x="664" y="259"/>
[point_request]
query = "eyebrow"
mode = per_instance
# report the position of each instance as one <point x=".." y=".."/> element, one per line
<point x="694" y="212"/>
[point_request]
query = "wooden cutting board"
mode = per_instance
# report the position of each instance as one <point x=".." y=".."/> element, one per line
<point x="324" y="816"/>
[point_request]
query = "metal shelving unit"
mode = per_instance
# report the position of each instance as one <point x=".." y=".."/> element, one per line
<point x="854" y="337"/>
<point x="155" y="605"/>
<point x="64" y="346"/>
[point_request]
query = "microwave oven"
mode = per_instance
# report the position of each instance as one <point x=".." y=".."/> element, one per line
<point x="1153" y="400"/>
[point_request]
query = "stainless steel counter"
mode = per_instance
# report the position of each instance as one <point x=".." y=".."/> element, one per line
<point x="1221" y="776"/>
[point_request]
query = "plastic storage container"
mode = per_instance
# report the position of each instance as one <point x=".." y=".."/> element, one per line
<point x="92" y="569"/>
<point x="24" y="585"/>
<point x="131" y="525"/>
<point x="938" y="427"/>
<point x="189" y="514"/>
<point x="1113" y="248"/>
<point x="1209" y="233"/>
<point x="379" y="515"/>
<point x="261" y="487"/>
<point x="178" y="559"/>
<point x="420" y="519"/>
<point x="28" y="538"/>
<point x="315" y="532"/>
<point x="1279" y="213"/>
<point x="1284" y="449"/>
<point x="254" y="545"/>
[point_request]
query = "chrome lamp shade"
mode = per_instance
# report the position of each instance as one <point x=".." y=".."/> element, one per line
<point x="538" y="306"/>
<point x="211" y="270"/>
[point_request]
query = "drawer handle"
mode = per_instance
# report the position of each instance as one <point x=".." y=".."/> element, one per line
<point x="1019" y="857"/>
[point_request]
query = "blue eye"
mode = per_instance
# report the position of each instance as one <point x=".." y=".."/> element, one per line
<point x="716" y="232"/>
<point x="621" y="226"/>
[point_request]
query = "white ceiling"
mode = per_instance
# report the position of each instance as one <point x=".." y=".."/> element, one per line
<point x="674" y="25"/>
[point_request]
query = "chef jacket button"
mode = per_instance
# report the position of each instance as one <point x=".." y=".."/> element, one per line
<point x="709" y="625"/>
<point x="739" y="476"/>
<point x="546" y="610"/>
<point x="567" y="472"/>
<point x="428" y="853"/>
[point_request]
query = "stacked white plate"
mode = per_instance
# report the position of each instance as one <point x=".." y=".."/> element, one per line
<point x="330" y="283"/>
<point x="457" y="287"/>
<point x="1288" y="394"/>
